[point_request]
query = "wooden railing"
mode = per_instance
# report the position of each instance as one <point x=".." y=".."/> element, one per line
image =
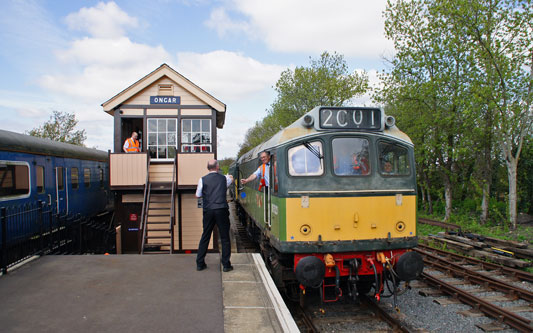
<point x="173" y="205"/>
<point x="128" y="170"/>
<point x="146" y="200"/>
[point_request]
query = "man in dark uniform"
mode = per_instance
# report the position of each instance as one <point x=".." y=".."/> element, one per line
<point x="212" y="189"/>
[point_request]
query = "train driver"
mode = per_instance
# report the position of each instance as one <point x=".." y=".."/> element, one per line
<point x="262" y="172"/>
<point x="131" y="145"/>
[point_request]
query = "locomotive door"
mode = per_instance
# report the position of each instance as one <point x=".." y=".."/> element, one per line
<point x="267" y="197"/>
<point x="60" y="179"/>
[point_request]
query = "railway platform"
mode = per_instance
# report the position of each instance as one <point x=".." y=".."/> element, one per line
<point x="142" y="293"/>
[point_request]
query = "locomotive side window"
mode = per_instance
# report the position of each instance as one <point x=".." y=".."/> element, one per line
<point x="60" y="177"/>
<point x="351" y="157"/>
<point x="14" y="179"/>
<point x="393" y="160"/>
<point x="74" y="177"/>
<point x="87" y="177"/>
<point x="39" y="173"/>
<point x="303" y="160"/>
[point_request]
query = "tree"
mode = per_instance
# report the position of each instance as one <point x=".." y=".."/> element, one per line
<point x="60" y="127"/>
<point x="326" y="81"/>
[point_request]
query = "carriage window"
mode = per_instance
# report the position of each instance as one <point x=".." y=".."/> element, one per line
<point x="196" y="135"/>
<point x="14" y="179"/>
<point x="304" y="162"/>
<point x="101" y="178"/>
<point x="162" y="138"/>
<point x="74" y="178"/>
<point x="39" y="173"/>
<point x="350" y="157"/>
<point x="60" y="177"/>
<point x="87" y="177"/>
<point x="393" y="160"/>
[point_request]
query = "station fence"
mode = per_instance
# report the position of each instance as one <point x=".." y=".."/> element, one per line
<point x="36" y="229"/>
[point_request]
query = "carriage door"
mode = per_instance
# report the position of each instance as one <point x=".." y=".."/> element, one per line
<point x="60" y="187"/>
<point x="268" y="194"/>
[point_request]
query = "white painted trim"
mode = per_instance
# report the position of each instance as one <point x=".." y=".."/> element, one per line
<point x="22" y="263"/>
<point x="353" y="191"/>
<point x="285" y="319"/>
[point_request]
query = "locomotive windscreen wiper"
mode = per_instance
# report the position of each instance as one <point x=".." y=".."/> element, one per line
<point x="313" y="150"/>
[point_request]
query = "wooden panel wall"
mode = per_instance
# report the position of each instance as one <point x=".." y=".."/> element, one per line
<point x="127" y="169"/>
<point x="161" y="172"/>
<point x="192" y="167"/>
<point x="143" y="97"/>
<point x="191" y="222"/>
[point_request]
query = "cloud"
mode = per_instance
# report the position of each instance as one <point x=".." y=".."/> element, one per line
<point x="352" y="28"/>
<point x="106" y="20"/>
<point x="229" y="76"/>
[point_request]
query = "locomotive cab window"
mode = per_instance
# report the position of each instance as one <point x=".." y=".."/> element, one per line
<point x="351" y="157"/>
<point x="393" y="160"/>
<point x="74" y="177"/>
<point x="306" y="159"/>
<point x="39" y="176"/>
<point x="87" y="177"/>
<point x="14" y="179"/>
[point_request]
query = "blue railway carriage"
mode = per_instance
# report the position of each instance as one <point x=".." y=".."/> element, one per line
<point x="69" y="181"/>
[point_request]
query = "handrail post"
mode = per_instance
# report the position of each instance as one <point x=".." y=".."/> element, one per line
<point x="145" y="202"/>
<point x="41" y="240"/>
<point x="3" y="256"/>
<point x="173" y="205"/>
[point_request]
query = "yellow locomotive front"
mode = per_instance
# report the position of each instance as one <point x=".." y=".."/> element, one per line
<point x="342" y="205"/>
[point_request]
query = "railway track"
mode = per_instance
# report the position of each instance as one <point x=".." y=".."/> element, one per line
<point x="464" y="271"/>
<point x="367" y="316"/>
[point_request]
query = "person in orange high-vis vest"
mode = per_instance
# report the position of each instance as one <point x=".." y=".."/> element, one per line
<point x="131" y="145"/>
<point x="262" y="172"/>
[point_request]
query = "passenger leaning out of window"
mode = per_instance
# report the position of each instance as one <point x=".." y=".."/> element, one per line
<point x="131" y="145"/>
<point x="262" y="172"/>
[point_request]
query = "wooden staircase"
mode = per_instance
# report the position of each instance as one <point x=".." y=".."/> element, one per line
<point x="158" y="216"/>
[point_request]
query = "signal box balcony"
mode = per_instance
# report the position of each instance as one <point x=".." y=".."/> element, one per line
<point x="133" y="171"/>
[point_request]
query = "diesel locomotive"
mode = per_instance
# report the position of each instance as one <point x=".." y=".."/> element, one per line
<point x="339" y="213"/>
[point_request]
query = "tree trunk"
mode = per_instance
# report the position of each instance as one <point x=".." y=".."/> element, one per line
<point x="512" y="165"/>
<point x="448" y="197"/>
<point x="485" y="203"/>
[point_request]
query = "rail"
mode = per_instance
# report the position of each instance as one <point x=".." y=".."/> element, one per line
<point x="146" y="200"/>
<point x="172" y="205"/>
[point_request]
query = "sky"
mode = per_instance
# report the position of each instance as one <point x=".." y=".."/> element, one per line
<point x="73" y="55"/>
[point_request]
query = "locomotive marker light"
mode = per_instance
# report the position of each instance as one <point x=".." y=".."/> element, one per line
<point x="308" y="121"/>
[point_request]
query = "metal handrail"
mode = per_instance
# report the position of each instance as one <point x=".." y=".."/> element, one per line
<point x="172" y="205"/>
<point x="144" y="215"/>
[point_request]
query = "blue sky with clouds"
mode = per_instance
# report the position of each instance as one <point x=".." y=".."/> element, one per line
<point x="72" y="55"/>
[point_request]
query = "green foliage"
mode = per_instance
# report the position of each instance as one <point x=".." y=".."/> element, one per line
<point x="60" y="127"/>
<point x="326" y="81"/>
<point x="224" y="165"/>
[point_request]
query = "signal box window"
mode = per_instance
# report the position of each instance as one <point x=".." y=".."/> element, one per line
<point x="60" y="179"/>
<point x="196" y="135"/>
<point x="304" y="160"/>
<point x="393" y="160"/>
<point x="162" y="138"/>
<point x="87" y="177"/>
<point x="14" y="180"/>
<point x="74" y="177"/>
<point x="351" y="157"/>
<point x="39" y="173"/>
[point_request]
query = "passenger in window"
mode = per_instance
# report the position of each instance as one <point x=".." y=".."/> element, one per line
<point x="131" y="145"/>
<point x="262" y="172"/>
<point x="387" y="168"/>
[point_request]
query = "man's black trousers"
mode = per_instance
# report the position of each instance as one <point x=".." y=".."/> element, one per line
<point x="220" y="217"/>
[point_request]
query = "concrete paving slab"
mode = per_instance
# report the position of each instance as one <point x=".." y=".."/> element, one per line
<point x="248" y="320"/>
<point x="129" y="293"/>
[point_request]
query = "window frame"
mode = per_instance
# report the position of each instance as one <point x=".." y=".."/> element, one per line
<point x="101" y="178"/>
<point x="379" y="158"/>
<point x="300" y="144"/>
<point x="43" y="189"/>
<point x="157" y="145"/>
<point x="201" y="144"/>
<point x="369" y="155"/>
<point x="17" y="196"/>
<point x="74" y="170"/>
<point x="86" y="183"/>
